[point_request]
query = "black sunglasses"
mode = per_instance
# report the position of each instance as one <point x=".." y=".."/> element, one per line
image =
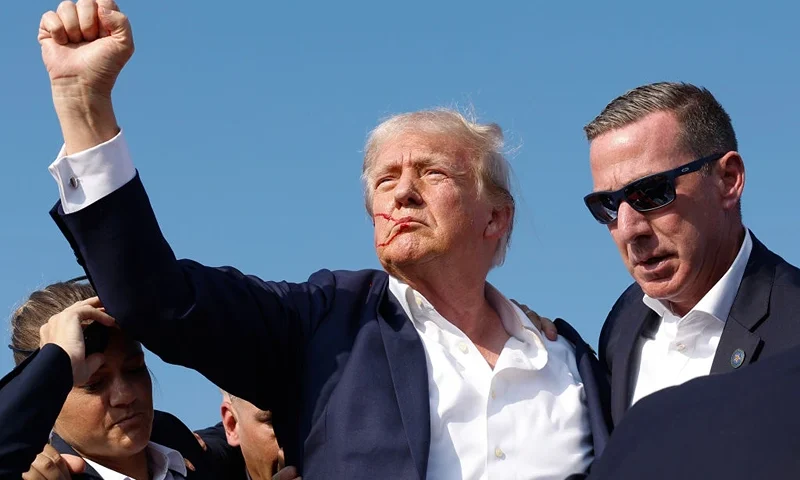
<point x="644" y="195"/>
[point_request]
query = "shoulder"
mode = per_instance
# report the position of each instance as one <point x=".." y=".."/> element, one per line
<point x="171" y="432"/>
<point x="787" y="275"/>
<point x="786" y="281"/>
<point x="347" y="277"/>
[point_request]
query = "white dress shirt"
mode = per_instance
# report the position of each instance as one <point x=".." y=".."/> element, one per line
<point x="683" y="348"/>
<point x="526" y="419"/>
<point x="165" y="464"/>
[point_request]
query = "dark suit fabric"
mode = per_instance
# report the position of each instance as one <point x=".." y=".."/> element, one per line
<point x="733" y="426"/>
<point x="764" y="320"/>
<point x="335" y="358"/>
<point x="31" y="397"/>
<point x="228" y="458"/>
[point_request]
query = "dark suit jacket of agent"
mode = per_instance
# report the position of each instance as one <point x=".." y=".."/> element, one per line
<point x="31" y="397"/>
<point x="764" y="320"/>
<point x="733" y="426"/>
<point x="335" y="359"/>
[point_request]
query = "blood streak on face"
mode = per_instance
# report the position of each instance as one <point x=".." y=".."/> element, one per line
<point x="402" y="224"/>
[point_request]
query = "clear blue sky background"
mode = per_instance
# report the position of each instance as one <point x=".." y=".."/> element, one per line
<point x="247" y="119"/>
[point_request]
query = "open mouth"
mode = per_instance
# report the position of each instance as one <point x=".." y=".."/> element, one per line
<point x="653" y="263"/>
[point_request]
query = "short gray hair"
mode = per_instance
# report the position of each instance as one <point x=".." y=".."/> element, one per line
<point x="483" y="142"/>
<point x="705" y="126"/>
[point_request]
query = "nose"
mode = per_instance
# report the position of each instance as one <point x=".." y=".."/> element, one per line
<point x="631" y="225"/>
<point x="406" y="193"/>
<point x="121" y="392"/>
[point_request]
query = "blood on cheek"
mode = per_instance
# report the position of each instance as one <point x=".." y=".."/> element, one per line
<point x="400" y="228"/>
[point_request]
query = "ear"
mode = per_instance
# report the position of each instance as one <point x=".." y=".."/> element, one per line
<point x="499" y="222"/>
<point x="730" y="173"/>
<point x="229" y="421"/>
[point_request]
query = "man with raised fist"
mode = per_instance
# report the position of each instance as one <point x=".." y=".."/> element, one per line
<point x="419" y="370"/>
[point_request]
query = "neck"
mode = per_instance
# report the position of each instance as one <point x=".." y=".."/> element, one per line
<point x="457" y="292"/>
<point x="720" y="263"/>
<point x="134" y="466"/>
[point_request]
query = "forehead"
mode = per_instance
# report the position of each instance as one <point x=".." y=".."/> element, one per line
<point x="418" y="147"/>
<point x="121" y="347"/>
<point x="651" y="145"/>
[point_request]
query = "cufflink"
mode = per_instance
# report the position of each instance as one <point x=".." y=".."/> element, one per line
<point x="737" y="359"/>
<point x="73" y="182"/>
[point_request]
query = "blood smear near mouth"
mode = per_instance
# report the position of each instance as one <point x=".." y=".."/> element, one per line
<point x="386" y="216"/>
<point x="400" y="229"/>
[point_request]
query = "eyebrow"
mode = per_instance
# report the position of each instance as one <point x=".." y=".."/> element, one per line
<point x="628" y="182"/>
<point x="421" y="161"/>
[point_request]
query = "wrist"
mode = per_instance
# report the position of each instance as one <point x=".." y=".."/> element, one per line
<point x="86" y="116"/>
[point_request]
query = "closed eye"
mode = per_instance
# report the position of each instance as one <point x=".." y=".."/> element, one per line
<point x="382" y="181"/>
<point x="434" y="174"/>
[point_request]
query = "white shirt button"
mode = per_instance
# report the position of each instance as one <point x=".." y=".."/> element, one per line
<point x="499" y="453"/>
<point x="680" y="347"/>
<point x="463" y="347"/>
<point x="418" y="298"/>
<point x="493" y="394"/>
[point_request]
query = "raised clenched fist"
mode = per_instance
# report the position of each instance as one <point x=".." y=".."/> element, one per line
<point x="84" y="46"/>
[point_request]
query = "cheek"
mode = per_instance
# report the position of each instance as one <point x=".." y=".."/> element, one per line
<point x="81" y="418"/>
<point x="144" y="390"/>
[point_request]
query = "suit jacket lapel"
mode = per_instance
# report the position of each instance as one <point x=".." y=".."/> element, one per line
<point x="639" y="319"/>
<point x="409" y="371"/>
<point x="595" y="383"/>
<point x="64" y="448"/>
<point x="739" y="343"/>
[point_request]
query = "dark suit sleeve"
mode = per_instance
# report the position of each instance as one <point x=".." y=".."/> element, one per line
<point x="227" y="461"/>
<point x="31" y="397"/>
<point x="232" y="328"/>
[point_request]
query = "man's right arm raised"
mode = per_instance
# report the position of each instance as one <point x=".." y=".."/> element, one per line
<point x="229" y="326"/>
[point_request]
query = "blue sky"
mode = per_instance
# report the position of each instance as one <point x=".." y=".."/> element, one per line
<point x="247" y="123"/>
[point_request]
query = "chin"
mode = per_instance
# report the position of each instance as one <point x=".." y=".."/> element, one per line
<point x="131" y="445"/>
<point x="403" y="254"/>
<point x="134" y="440"/>
<point x="661" y="289"/>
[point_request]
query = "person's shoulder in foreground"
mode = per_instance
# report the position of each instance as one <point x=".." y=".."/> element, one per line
<point x="736" y="426"/>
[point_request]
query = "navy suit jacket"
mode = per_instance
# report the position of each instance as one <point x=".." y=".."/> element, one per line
<point x="31" y="397"/>
<point x="732" y="426"/>
<point x="764" y="320"/>
<point x="335" y="359"/>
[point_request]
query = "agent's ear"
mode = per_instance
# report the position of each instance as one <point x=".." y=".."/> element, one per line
<point x="730" y="173"/>
<point x="229" y="421"/>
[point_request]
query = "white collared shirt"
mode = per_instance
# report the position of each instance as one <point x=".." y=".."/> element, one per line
<point x="683" y="348"/>
<point x="165" y="464"/>
<point x="526" y="419"/>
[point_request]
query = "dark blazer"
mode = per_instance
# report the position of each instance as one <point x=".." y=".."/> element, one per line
<point x="732" y="426"/>
<point x="352" y="399"/>
<point x="764" y="320"/>
<point x="31" y="397"/>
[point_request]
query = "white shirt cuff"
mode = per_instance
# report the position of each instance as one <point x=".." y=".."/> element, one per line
<point x="86" y="177"/>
